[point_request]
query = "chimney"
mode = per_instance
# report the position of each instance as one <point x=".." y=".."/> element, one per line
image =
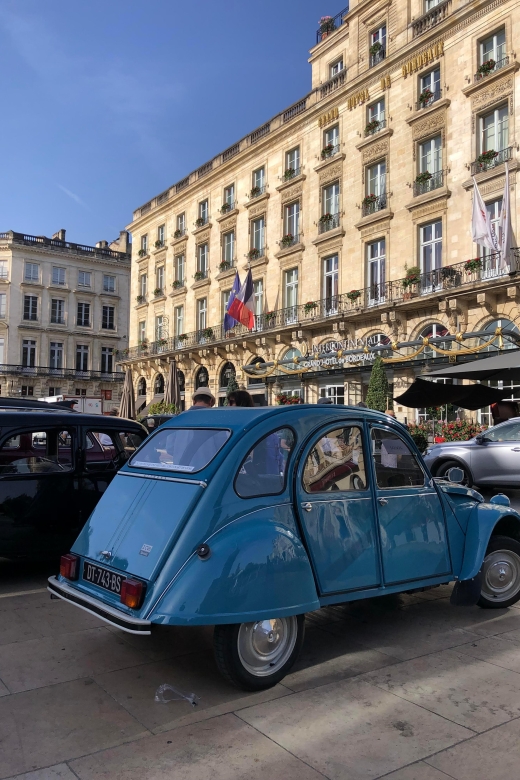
<point x="60" y="235"/>
<point x="124" y="241"/>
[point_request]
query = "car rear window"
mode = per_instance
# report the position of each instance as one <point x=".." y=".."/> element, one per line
<point x="180" y="449"/>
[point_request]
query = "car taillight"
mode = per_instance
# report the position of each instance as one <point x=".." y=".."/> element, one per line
<point x="132" y="593"/>
<point x="69" y="566"/>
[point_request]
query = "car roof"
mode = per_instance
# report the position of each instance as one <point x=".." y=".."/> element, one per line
<point x="42" y="417"/>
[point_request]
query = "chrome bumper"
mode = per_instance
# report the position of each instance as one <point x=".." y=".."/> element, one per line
<point x="110" y="615"/>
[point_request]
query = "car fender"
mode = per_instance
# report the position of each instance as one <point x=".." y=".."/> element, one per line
<point x="257" y="568"/>
<point x="447" y="456"/>
<point x="482" y="521"/>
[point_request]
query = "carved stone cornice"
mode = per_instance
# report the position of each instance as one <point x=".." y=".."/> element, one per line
<point x="497" y="91"/>
<point x="292" y="193"/>
<point x="330" y="173"/>
<point x="329" y="161"/>
<point x="227" y="215"/>
<point x="180" y="240"/>
<point x="379" y="148"/>
<point x="201" y="283"/>
<point x="227" y="274"/>
<point x="202" y="233"/>
<point x="158" y="251"/>
<point x="255" y="263"/>
<point x="178" y="292"/>
<point x="329" y="234"/>
<point x="290" y="250"/>
<point x="436" y="120"/>
<point x="377" y="216"/>
<point x="290" y="182"/>
<point x="258" y="209"/>
<point x="442" y="193"/>
<point x="422" y="113"/>
<point x="493" y="174"/>
<point x="259" y="199"/>
<point x="374" y="138"/>
<point x="230" y="223"/>
<point x="203" y="237"/>
<point x="489" y="81"/>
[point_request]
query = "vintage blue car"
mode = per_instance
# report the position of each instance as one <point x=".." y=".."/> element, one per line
<point x="246" y="519"/>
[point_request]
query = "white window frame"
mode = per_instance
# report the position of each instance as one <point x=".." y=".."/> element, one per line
<point x="143" y="284"/>
<point x="259" y="177"/>
<point x="56" y="354"/>
<point x="258" y="234"/>
<point x="430" y="155"/>
<point x="290" y="294"/>
<point x="159" y="277"/>
<point x="3" y="306"/>
<point x="331" y="284"/>
<point x="376" y="179"/>
<point x="31" y="272"/>
<point x="292" y="219"/>
<point x="109" y="286"/>
<point x="141" y="331"/>
<point x="376" y="111"/>
<point x="430" y="254"/>
<point x="204" y="210"/>
<point x="60" y="310"/>
<point x="178" y="320"/>
<point x="336" y="67"/>
<point x="331" y="136"/>
<point x="330" y="198"/>
<point x="229" y="195"/>
<point x="376" y="271"/>
<point x="500" y="116"/>
<point x="160" y="233"/>
<point x="144" y="243"/>
<point x="202" y="314"/>
<point x="180" y="268"/>
<point x="498" y="49"/>
<point x="58" y="275"/>
<point x="203" y="258"/>
<point x="84" y="279"/>
<point x="292" y="160"/>
<point x="228" y="247"/>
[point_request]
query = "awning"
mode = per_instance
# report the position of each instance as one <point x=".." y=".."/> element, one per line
<point x="502" y="366"/>
<point x="423" y="393"/>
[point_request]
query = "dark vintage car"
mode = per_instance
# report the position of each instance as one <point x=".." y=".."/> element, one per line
<point x="55" y="464"/>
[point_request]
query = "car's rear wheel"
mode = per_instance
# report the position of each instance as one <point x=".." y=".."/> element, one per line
<point x="500" y="574"/>
<point x="257" y="655"/>
<point x="443" y="469"/>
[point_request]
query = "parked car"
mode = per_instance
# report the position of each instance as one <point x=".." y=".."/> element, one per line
<point x="490" y="458"/>
<point x="246" y="519"/>
<point x="55" y="464"/>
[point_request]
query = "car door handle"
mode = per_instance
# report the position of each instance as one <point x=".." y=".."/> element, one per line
<point x="515" y="449"/>
<point x="307" y="507"/>
<point x="383" y="501"/>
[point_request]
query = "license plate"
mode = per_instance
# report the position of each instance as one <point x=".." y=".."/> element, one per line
<point x="103" y="577"/>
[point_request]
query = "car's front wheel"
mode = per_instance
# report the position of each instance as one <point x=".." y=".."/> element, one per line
<point x="444" y="468"/>
<point x="500" y="574"/>
<point x="254" y="656"/>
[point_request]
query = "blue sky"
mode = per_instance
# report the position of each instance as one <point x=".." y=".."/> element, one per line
<point x="108" y="102"/>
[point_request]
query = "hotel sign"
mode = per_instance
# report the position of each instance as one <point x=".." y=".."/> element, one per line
<point x="422" y="60"/>
<point x="329" y="117"/>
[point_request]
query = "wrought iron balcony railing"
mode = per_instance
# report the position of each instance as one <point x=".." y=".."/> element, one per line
<point x="375" y="126"/>
<point x="426" y="102"/>
<point x="290" y="239"/>
<point x="256" y="191"/>
<point x="430" y="19"/>
<point x="63" y="246"/>
<point x="445" y="279"/>
<point x="378" y="203"/>
<point x="435" y="181"/>
<point x="324" y="225"/>
<point x="486" y="164"/>
<point x="377" y="57"/>
<point x="485" y="69"/>
<point x="333" y="84"/>
<point x="331" y="26"/>
<point x="62" y="373"/>
<point x="290" y="173"/>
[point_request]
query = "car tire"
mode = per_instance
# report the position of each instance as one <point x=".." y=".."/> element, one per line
<point x="500" y="574"/>
<point x="255" y="656"/>
<point x="442" y="471"/>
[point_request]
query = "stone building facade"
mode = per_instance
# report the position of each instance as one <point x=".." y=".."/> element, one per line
<point x="63" y="316"/>
<point x="352" y="208"/>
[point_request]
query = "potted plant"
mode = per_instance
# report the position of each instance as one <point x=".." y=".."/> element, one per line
<point x="255" y="191"/>
<point x="225" y="208"/>
<point x="225" y="265"/>
<point x="157" y="291"/>
<point x="412" y="278"/>
<point x="253" y="254"/>
<point x="475" y="264"/>
<point x="144" y="344"/>
<point x="326" y="218"/>
<point x="487" y="157"/>
<point x="375" y="48"/>
<point x="207" y="333"/>
<point x="288" y="174"/>
<point x="162" y="342"/>
<point x="327" y="151"/>
<point x="140" y="299"/>
<point x="270" y="317"/>
<point x="125" y="352"/>
<point x="425" y="97"/>
<point x="158" y="244"/>
<point x="142" y="253"/>
<point x="423" y="177"/>
<point x="486" y="67"/>
<point x="369" y="199"/>
<point x="326" y="25"/>
<point x="178" y="233"/>
<point x="310" y="307"/>
<point x="448" y="274"/>
<point x="199" y="222"/>
<point x="353" y="295"/>
<point x="372" y="126"/>
<point x="199" y="275"/>
<point x="287" y="240"/>
<point x="177" y="283"/>
<point x="182" y="337"/>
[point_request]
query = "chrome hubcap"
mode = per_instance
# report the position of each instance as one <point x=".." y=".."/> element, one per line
<point x="265" y="646"/>
<point x="501" y="580"/>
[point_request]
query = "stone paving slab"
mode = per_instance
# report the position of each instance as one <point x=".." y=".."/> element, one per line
<point x="58" y="772"/>
<point x="419" y="771"/>
<point x="224" y="748"/>
<point x="353" y="730"/>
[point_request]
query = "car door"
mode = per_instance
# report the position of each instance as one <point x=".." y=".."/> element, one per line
<point x="39" y="492"/>
<point x="337" y="511"/>
<point x="412" y="525"/>
<point x="497" y="459"/>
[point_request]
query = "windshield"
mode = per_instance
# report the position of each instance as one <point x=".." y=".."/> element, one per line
<point x="180" y="449"/>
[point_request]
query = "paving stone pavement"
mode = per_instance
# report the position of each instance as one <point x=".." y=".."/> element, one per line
<point x="401" y="687"/>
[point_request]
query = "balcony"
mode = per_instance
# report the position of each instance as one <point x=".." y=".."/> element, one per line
<point x="377" y="56"/>
<point x="201" y="221"/>
<point x="330" y="24"/>
<point x="290" y="173"/>
<point x="226" y="265"/>
<point x="430" y="19"/>
<point x="295" y="110"/>
<point x="227" y="207"/>
<point x="373" y="203"/>
<point x="57" y="245"/>
<point x="488" y="160"/>
<point x="441" y="280"/>
<point x="333" y="84"/>
<point x="427" y="98"/>
<point x="199" y="276"/>
<point x="256" y="191"/>
<point x="375" y="126"/>
<point x="425" y="185"/>
<point x="179" y="284"/>
<point x="179" y="233"/>
<point x="289" y="240"/>
<point x="329" y="151"/>
<point x="255" y="253"/>
<point x="490" y="67"/>
<point x="62" y="373"/>
<point x="328" y="222"/>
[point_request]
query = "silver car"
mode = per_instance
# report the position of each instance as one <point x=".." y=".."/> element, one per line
<point x="491" y="458"/>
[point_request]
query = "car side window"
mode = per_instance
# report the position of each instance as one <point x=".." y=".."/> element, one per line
<point x="509" y="432"/>
<point x="263" y="470"/>
<point x="336" y="462"/>
<point x="395" y="464"/>
<point x="101" y="451"/>
<point x="130" y="441"/>
<point x="37" y="452"/>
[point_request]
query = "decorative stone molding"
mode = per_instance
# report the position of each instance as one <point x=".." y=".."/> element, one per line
<point x="226" y="215"/>
<point x="202" y="238"/>
<point x="223" y="275"/>
<point x="293" y="193"/>
<point x="256" y="211"/>
<point x="290" y="250"/>
<point x="329" y="161"/>
<point x="494" y="179"/>
<point x="255" y="263"/>
<point x="177" y="241"/>
<point x="434" y="121"/>
<point x="203" y="230"/>
<point x="378" y="216"/>
<point x="178" y="292"/>
<point x="497" y="91"/>
<point x="229" y="224"/>
<point x="330" y="246"/>
<point x="330" y="234"/>
<point x="378" y="227"/>
<point x="291" y="182"/>
<point x="375" y="150"/>
<point x="441" y="193"/>
<point x="371" y="139"/>
<point x="290" y="261"/>
<point x="436" y="207"/>
<point x="422" y="113"/>
<point x="201" y="283"/>
<point x="251" y="204"/>
<point x="329" y="174"/>
<point x="485" y="85"/>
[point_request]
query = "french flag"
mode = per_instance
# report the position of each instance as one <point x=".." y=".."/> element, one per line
<point x="229" y="321"/>
<point x="242" y="306"/>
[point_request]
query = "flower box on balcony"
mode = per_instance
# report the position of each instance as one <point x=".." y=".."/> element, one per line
<point x="207" y="333"/>
<point x="422" y="178"/>
<point x="310" y="307"/>
<point x="255" y="192"/>
<point x="282" y="399"/>
<point x="372" y="126"/>
<point x="413" y="277"/>
<point x="162" y="342"/>
<point x="177" y="283"/>
<point x="225" y="208"/>
<point x="475" y="264"/>
<point x="142" y="253"/>
<point x="225" y="265"/>
<point x="182" y="337"/>
<point x="199" y="222"/>
<point x="159" y="244"/>
<point x="253" y="254"/>
<point x="327" y="151"/>
<point x="178" y="233"/>
<point x="140" y="299"/>
<point x="425" y="97"/>
<point x="326" y="25"/>
<point x="486" y="67"/>
<point x="448" y="274"/>
<point x="326" y="218"/>
<point x="144" y="344"/>
<point x="353" y="295"/>
<point x="288" y="174"/>
<point x="369" y="199"/>
<point x="375" y="48"/>
<point x="487" y="157"/>
<point x="199" y="276"/>
<point x="287" y="240"/>
<point x="157" y="291"/>
<point x="270" y="317"/>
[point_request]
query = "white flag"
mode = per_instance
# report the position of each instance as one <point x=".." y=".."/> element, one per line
<point x="480" y="223"/>
<point x="504" y="227"/>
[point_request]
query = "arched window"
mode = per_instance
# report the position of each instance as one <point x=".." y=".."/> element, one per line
<point x="505" y="325"/>
<point x="181" y="379"/>
<point x="434" y="330"/>
<point x="202" y="378"/>
<point x="228" y="371"/>
<point x="380" y="340"/>
<point x="158" y="385"/>
<point x="256" y="380"/>
<point x="292" y="353"/>
<point x="141" y="386"/>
